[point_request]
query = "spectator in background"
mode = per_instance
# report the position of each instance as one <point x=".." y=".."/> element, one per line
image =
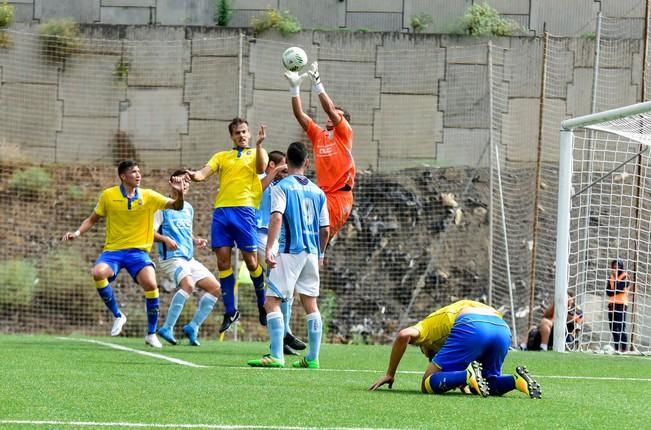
<point x="617" y="292"/>
<point x="541" y="338"/>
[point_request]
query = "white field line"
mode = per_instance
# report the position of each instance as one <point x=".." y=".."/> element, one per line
<point x="135" y="351"/>
<point x="174" y="426"/>
<point x="404" y="372"/>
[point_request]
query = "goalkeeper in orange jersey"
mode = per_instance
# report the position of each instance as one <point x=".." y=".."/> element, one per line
<point x="466" y="343"/>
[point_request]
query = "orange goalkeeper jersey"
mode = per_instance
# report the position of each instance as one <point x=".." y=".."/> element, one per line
<point x="333" y="157"/>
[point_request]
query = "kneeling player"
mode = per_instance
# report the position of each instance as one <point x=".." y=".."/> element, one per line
<point x="466" y="343"/>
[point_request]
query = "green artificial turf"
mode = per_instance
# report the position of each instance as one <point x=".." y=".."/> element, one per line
<point x="48" y="382"/>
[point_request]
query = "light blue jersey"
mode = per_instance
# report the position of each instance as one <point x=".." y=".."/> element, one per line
<point x="304" y="209"/>
<point x="178" y="226"/>
<point x="264" y="212"/>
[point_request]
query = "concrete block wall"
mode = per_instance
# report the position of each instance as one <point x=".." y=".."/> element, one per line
<point x="559" y="17"/>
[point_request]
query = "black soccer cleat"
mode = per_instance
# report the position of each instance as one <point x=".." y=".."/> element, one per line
<point x="526" y="383"/>
<point x="287" y="350"/>
<point x="293" y="342"/>
<point x="228" y="320"/>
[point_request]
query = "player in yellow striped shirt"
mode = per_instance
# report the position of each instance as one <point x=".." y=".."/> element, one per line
<point x="129" y="213"/>
<point x="466" y="343"/>
<point x="234" y="217"/>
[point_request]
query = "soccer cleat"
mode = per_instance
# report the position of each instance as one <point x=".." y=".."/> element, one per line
<point x="305" y="363"/>
<point x="228" y="320"/>
<point x="167" y="334"/>
<point x="262" y="315"/>
<point x="526" y="383"/>
<point x="152" y="340"/>
<point x="293" y="342"/>
<point x="475" y="380"/>
<point x="118" y="323"/>
<point x="287" y="350"/>
<point x="192" y="335"/>
<point x="267" y="361"/>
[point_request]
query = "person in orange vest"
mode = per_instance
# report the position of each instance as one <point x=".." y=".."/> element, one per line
<point x="617" y="292"/>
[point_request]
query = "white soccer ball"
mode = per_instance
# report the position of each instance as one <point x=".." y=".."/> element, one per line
<point x="294" y="59"/>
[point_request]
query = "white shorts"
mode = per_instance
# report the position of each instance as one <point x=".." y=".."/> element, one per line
<point x="179" y="268"/>
<point x="299" y="272"/>
<point x="262" y="247"/>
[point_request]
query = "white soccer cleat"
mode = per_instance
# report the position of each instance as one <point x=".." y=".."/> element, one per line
<point x="152" y="340"/>
<point x="118" y="323"/>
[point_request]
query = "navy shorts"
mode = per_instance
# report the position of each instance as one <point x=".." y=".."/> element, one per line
<point x="134" y="260"/>
<point x="234" y="225"/>
<point x="485" y="338"/>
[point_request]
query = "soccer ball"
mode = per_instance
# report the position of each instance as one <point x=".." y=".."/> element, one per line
<point x="294" y="59"/>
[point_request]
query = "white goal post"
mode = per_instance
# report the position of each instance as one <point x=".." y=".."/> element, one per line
<point x="603" y="215"/>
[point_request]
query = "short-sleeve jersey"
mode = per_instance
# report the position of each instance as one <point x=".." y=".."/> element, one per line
<point x="333" y="157"/>
<point x="129" y="220"/>
<point x="264" y="212"/>
<point x="178" y="226"/>
<point x="304" y="210"/>
<point x="239" y="184"/>
<point x="435" y="328"/>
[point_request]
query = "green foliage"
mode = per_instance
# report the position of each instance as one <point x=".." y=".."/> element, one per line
<point x="420" y="22"/>
<point x="18" y="279"/>
<point x="31" y="183"/>
<point x="223" y="12"/>
<point x="67" y="286"/>
<point x="483" y="20"/>
<point x="59" y="38"/>
<point x="74" y="193"/>
<point x="280" y="21"/>
<point x="6" y="14"/>
<point x="591" y="35"/>
<point x="121" y="70"/>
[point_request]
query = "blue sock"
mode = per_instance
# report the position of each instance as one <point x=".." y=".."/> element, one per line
<point x="440" y="382"/>
<point x="286" y="309"/>
<point x="257" y="276"/>
<point x="500" y="384"/>
<point x="106" y="293"/>
<point x="176" y="307"/>
<point x="227" y="280"/>
<point x="206" y="304"/>
<point x="314" y="330"/>
<point x="275" y="328"/>
<point x="152" y="303"/>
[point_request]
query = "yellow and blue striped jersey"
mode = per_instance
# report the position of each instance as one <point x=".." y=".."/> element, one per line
<point x="129" y="221"/>
<point x="239" y="184"/>
<point x="435" y="328"/>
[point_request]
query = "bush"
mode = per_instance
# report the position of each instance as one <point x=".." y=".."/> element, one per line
<point x="420" y="22"/>
<point x="66" y="288"/>
<point x="6" y="14"/>
<point x="223" y="12"/>
<point x="121" y="70"/>
<point x="18" y="279"/>
<point x="31" y="183"/>
<point x="59" y="37"/>
<point x="282" y="22"/>
<point x="483" y="20"/>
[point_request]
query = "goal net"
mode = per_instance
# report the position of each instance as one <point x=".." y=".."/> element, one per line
<point x="603" y="254"/>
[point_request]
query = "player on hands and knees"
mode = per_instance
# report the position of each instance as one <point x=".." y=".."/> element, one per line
<point x="233" y="219"/>
<point x="129" y="212"/>
<point x="299" y="219"/>
<point x="176" y="243"/>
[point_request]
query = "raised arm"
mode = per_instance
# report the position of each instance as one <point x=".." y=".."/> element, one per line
<point x="86" y="225"/>
<point x="326" y="102"/>
<point x="404" y="338"/>
<point x="200" y="175"/>
<point x="295" y="80"/>
<point x="260" y="153"/>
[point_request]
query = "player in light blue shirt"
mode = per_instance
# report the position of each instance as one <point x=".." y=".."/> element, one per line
<point x="176" y="243"/>
<point x="299" y="219"/>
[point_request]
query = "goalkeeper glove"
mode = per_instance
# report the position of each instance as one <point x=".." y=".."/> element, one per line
<point x="294" y="80"/>
<point x="316" y="78"/>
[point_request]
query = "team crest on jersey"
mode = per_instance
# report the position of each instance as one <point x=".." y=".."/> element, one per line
<point x="248" y="152"/>
<point x="140" y="202"/>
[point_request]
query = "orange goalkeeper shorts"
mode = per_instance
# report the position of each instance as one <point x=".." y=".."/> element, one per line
<point x="340" y="203"/>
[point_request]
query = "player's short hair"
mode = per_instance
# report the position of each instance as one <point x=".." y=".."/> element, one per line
<point x="296" y="154"/>
<point x="126" y="165"/>
<point x="346" y="114"/>
<point x="619" y="263"/>
<point x="177" y="172"/>
<point x="236" y="122"/>
<point x="276" y="156"/>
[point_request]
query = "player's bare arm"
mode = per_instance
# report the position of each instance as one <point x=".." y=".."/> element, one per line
<point x="86" y="225"/>
<point x="176" y="182"/>
<point x="326" y="102"/>
<point x="272" y="236"/>
<point x="199" y="242"/>
<point x="267" y="180"/>
<point x="260" y="153"/>
<point x="168" y="241"/>
<point x="324" y="235"/>
<point x="295" y="80"/>
<point x="404" y="338"/>
<point x="199" y="175"/>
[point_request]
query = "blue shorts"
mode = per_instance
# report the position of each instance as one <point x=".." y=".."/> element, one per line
<point x="234" y="225"/>
<point x="134" y="260"/>
<point x="484" y="338"/>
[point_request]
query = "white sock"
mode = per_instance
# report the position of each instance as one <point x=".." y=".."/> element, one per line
<point x="543" y="346"/>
